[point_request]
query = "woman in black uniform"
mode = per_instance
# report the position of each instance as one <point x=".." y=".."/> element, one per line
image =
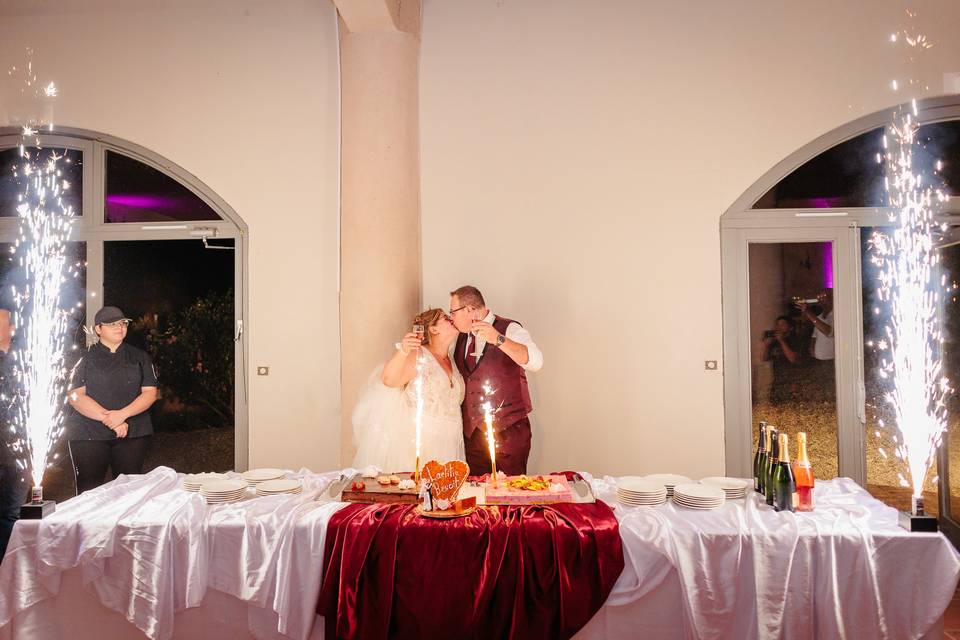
<point x="113" y="387"/>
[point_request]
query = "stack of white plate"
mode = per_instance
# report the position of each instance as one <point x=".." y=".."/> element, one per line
<point x="699" y="496"/>
<point x="255" y="476"/>
<point x="669" y="480"/>
<point x="194" y="481"/>
<point x="277" y="487"/>
<point x="735" y="488"/>
<point x="637" y="492"/>
<point x="221" y="491"/>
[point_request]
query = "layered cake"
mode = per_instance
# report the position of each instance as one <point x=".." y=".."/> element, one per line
<point x="529" y="490"/>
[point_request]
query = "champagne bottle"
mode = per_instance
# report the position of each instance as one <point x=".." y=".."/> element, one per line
<point x="759" y="458"/>
<point x="803" y="475"/>
<point x="773" y="458"/>
<point x="765" y="469"/>
<point x="784" y="486"/>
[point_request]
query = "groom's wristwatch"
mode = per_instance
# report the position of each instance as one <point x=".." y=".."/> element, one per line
<point x="501" y="339"/>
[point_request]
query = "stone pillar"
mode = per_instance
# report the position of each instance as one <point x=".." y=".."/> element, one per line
<point x="380" y="188"/>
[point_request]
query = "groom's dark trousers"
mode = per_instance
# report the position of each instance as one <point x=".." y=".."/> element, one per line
<point x="513" y="449"/>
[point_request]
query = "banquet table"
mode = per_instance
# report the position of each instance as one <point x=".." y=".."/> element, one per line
<point x="142" y="557"/>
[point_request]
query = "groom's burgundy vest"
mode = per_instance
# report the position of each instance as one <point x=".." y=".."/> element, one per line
<point x="510" y="398"/>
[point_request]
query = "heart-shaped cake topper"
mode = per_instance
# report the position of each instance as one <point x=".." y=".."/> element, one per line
<point x="445" y="479"/>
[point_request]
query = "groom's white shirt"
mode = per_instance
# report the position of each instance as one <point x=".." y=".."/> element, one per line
<point x="514" y="332"/>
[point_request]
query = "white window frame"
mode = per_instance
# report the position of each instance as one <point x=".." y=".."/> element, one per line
<point x="91" y="228"/>
<point x="741" y="224"/>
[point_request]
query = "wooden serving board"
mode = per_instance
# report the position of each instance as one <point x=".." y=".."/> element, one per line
<point x="379" y="493"/>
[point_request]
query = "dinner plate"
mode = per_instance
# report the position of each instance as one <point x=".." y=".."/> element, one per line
<point x="639" y="486"/>
<point x="193" y="481"/>
<point x="282" y="485"/>
<point x="699" y="491"/>
<point x="730" y="485"/>
<point x="255" y="476"/>
<point x="219" y="487"/>
<point x="652" y="503"/>
<point x="668" y="479"/>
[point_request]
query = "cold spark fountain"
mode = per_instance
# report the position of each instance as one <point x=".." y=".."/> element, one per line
<point x="908" y="262"/>
<point x="38" y="384"/>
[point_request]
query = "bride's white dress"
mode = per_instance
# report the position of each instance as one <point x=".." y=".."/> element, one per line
<point x="384" y="430"/>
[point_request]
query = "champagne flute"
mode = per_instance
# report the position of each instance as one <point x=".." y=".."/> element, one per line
<point x="420" y="330"/>
<point x="476" y="336"/>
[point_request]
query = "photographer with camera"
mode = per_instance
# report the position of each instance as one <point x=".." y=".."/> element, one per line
<point x="781" y="346"/>
<point x="822" y="348"/>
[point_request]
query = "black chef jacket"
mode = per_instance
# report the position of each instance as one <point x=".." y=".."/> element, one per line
<point x="114" y="380"/>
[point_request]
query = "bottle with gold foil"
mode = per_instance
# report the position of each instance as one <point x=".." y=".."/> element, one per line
<point x="760" y="458"/>
<point x="772" y="459"/>
<point x="784" y="485"/>
<point x="803" y="475"/>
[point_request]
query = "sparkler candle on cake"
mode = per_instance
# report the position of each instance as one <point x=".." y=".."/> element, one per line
<point x="419" y="329"/>
<point x="418" y="414"/>
<point x="488" y="419"/>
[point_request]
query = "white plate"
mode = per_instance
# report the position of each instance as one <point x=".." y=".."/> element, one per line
<point x="700" y="507"/>
<point x="283" y="485"/>
<point x="658" y="490"/>
<point x="637" y="485"/>
<point x="668" y="479"/>
<point x="260" y="475"/>
<point x="223" y="486"/>
<point x="699" y="500"/>
<point x="194" y="481"/>
<point x="702" y="491"/>
<point x="735" y="485"/>
<point x="697" y="505"/>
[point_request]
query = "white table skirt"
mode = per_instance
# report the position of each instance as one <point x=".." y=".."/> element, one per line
<point x="142" y="557"/>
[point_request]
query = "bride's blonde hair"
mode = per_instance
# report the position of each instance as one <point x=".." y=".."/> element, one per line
<point x="428" y="318"/>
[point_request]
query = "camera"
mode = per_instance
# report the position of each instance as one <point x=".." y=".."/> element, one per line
<point x="770" y="333"/>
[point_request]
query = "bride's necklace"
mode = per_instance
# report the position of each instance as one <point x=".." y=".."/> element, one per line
<point x="441" y="360"/>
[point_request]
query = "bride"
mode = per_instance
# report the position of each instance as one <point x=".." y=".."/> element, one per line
<point x="384" y="430"/>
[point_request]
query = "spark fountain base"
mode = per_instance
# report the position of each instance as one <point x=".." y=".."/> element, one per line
<point x="917" y="521"/>
<point x="37" y="508"/>
<point x="917" y="524"/>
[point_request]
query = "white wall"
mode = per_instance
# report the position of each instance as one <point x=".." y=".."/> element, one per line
<point x="243" y="94"/>
<point x="576" y="158"/>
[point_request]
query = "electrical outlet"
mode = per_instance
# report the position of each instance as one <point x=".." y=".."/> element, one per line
<point x="263" y="371"/>
<point x="710" y="365"/>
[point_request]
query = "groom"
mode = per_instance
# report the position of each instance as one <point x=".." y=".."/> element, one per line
<point x="500" y="355"/>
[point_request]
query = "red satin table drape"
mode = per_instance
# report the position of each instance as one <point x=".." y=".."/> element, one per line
<point x="502" y="572"/>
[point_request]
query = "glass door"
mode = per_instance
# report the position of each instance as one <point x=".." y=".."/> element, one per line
<point x="180" y="295"/>
<point x="790" y="343"/>
<point x="792" y="355"/>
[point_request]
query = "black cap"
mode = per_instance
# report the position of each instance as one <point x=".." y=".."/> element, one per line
<point x="108" y="315"/>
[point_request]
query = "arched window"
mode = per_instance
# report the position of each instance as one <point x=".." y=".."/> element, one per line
<point x="154" y="240"/>
<point x="800" y="233"/>
<point x="844" y="176"/>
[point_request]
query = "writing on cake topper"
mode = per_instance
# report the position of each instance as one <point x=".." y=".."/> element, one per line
<point x="445" y="479"/>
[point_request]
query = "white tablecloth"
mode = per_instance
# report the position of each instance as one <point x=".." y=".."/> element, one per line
<point x="142" y="557"/>
<point x="846" y="570"/>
